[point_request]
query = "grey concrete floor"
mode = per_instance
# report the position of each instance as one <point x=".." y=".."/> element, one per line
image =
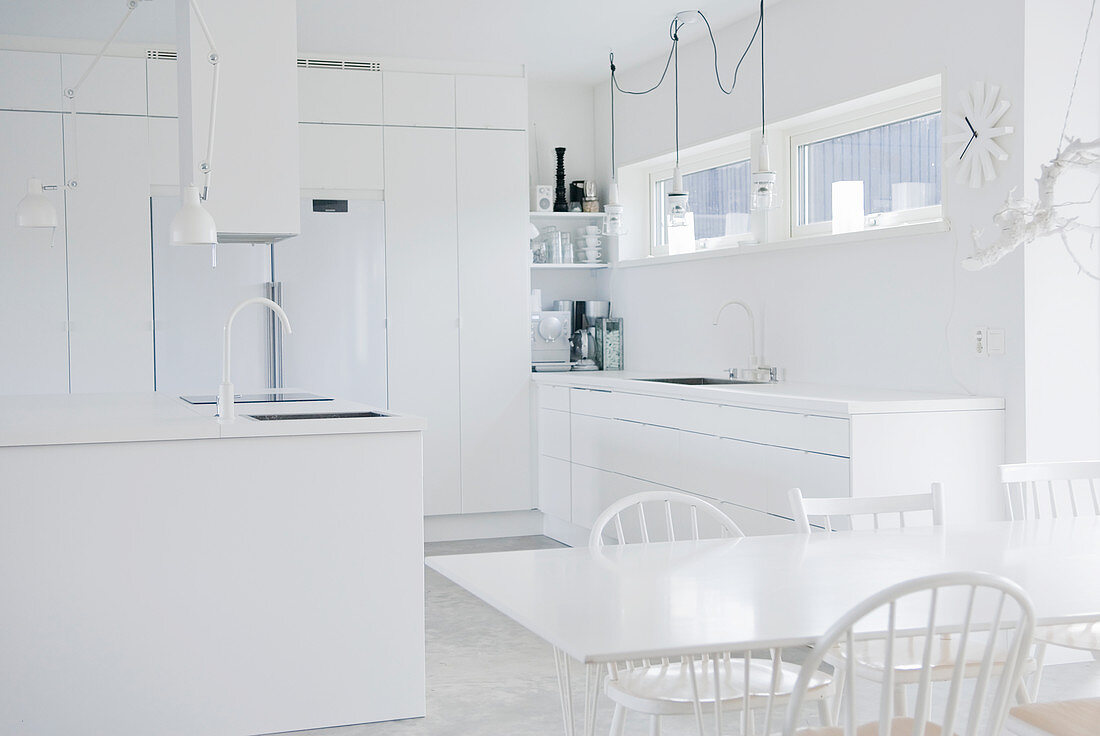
<point x="488" y="675"/>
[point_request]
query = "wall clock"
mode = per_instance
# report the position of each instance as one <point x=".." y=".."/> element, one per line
<point x="974" y="148"/>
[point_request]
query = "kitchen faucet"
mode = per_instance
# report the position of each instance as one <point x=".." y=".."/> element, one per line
<point x="226" y="408"/>
<point x="756" y="372"/>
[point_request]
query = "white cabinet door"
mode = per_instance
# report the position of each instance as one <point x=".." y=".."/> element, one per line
<point x="30" y="81"/>
<point x="110" y="268"/>
<point x="419" y="99"/>
<point x="422" y="300"/>
<point x="339" y="96"/>
<point x="493" y="289"/>
<point x="554" y="487"/>
<point x="345" y="157"/>
<point x="116" y="85"/>
<point x="33" y="307"/>
<point x="164" y="159"/>
<point x="162" y="85"/>
<point x="554" y="433"/>
<point x="491" y="102"/>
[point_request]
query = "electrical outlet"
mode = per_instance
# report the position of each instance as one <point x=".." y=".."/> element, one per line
<point x="994" y="341"/>
<point x="981" y="342"/>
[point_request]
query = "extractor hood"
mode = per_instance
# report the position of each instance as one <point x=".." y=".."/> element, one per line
<point x="254" y="183"/>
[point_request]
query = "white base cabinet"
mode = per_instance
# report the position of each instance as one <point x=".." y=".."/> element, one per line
<point x="746" y="458"/>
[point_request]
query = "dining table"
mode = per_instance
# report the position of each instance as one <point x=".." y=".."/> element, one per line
<point x="668" y="599"/>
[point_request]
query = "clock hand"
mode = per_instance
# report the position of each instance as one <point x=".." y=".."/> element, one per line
<point x="972" y="131"/>
<point x="973" y="137"/>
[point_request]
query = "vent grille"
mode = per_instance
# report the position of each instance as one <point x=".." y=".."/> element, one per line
<point x="164" y="55"/>
<point x="359" y="66"/>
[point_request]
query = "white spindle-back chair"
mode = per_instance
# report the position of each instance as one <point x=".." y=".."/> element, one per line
<point x="1050" y="491"/>
<point x="734" y="681"/>
<point x="981" y="609"/>
<point x="831" y="510"/>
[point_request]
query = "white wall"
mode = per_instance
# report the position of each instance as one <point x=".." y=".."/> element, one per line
<point x="873" y="314"/>
<point x="1062" y="324"/>
<point x="560" y="115"/>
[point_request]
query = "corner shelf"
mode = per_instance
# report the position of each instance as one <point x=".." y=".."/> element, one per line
<point x="567" y="266"/>
<point x="569" y="215"/>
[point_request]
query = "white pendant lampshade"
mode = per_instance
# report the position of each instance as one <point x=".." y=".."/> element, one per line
<point x="193" y="225"/>
<point x="764" y="194"/>
<point x="35" y="209"/>
<point x="613" y="221"/>
<point x="677" y="201"/>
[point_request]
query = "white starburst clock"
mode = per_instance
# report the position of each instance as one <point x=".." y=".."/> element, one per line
<point x="974" y="149"/>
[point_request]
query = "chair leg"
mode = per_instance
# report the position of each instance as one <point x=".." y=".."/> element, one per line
<point x="618" y="720"/>
<point x="901" y="708"/>
<point x="825" y="713"/>
<point x="654" y="726"/>
<point x="839" y="673"/>
<point x="1040" y="655"/>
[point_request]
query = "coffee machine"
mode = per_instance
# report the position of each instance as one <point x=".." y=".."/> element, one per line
<point x="583" y="323"/>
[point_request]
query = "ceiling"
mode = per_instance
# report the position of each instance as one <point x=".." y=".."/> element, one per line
<point x="562" y="40"/>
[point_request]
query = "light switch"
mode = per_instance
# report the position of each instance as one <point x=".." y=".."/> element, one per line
<point x="995" y="341"/>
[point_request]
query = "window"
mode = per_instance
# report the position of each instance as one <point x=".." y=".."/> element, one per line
<point x="718" y="208"/>
<point x="898" y="162"/>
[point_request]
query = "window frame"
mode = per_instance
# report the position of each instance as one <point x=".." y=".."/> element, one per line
<point x="732" y="153"/>
<point x="897" y="110"/>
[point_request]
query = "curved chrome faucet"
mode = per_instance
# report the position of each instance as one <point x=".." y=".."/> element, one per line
<point x="226" y="409"/>
<point x="754" y="361"/>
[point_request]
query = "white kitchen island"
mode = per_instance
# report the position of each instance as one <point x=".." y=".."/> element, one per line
<point x="162" y="573"/>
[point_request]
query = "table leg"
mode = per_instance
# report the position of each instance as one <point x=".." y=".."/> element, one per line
<point x="565" y="688"/>
<point x="592" y="676"/>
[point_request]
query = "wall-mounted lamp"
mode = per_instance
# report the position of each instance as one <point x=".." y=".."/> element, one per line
<point x="35" y="209"/>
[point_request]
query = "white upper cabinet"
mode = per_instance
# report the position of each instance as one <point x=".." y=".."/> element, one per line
<point x="30" y="81"/>
<point x="161" y="83"/>
<point x="110" y="265"/>
<point x="116" y="85"/>
<point x="491" y="102"/>
<point x="341" y="156"/>
<point x="33" y="308"/>
<point x="339" y="96"/>
<point x="419" y="99"/>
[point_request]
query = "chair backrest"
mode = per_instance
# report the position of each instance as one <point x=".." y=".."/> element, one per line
<point x="832" y="510"/>
<point x="672" y="516"/>
<point x="991" y="616"/>
<point x="1049" y="490"/>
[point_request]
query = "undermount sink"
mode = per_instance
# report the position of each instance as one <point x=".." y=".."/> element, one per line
<point x="317" y="415"/>
<point x="698" y="381"/>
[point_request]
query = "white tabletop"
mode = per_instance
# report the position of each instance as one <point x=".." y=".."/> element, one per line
<point x="692" y="597"/>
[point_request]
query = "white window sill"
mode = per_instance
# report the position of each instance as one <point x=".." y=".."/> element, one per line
<point x="862" y="236"/>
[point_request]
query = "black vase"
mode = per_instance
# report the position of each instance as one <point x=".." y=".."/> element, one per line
<point x="560" y="202"/>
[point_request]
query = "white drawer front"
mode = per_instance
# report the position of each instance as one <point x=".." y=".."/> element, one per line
<point x="593" y="403"/>
<point x="783" y="429"/>
<point x="554" y="433"/>
<point x="554" y="397"/>
<point x="555" y="488"/>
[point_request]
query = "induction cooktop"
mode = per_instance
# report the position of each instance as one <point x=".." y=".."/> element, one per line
<point x="274" y="397"/>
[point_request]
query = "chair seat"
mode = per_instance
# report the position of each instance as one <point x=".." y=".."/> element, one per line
<point x="1066" y="718"/>
<point x="909" y="658"/>
<point x="1074" y="636"/>
<point x="898" y="727"/>
<point x="665" y="689"/>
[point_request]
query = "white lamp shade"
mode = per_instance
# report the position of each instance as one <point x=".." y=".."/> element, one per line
<point x="193" y="225"/>
<point x="35" y="209"/>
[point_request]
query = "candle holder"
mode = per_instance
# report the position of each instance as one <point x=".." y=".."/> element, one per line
<point x="561" y="204"/>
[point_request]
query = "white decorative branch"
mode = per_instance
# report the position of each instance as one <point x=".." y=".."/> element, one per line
<point x="1024" y="221"/>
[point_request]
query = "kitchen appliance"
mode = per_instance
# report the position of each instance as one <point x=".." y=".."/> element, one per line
<point x="544" y="198"/>
<point x="550" y="340"/>
<point x="583" y="341"/>
<point x="332" y="278"/>
<point x="576" y="195"/>
<point x="609" y="343"/>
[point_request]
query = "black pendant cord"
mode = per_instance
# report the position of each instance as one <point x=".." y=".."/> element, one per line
<point x="614" y="171"/>
<point x="676" y="90"/>
<point x="761" y="27"/>
<point x="673" y="30"/>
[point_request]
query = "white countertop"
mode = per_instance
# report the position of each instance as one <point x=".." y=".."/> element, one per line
<point x="805" y="397"/>
<point x="66" y="419"/>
